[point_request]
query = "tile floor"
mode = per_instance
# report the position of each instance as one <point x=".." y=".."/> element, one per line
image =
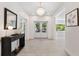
<point x="43" y="47"/>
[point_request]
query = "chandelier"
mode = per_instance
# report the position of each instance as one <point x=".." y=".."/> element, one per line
<point x="40" y="11"/>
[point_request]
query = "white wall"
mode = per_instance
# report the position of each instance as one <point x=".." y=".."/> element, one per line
<point x="60" y="19"/>
<point x="72" y="33"/>
<point x="36" y="18"/>
<point x="57" y="17"/>
<point x="53" y="28"/>
<point x="15" y="8"/>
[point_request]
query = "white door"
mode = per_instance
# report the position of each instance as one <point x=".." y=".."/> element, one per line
<point x="40" y="29"/>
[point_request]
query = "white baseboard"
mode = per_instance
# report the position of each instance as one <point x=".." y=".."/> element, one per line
<point x="67" y="52"/>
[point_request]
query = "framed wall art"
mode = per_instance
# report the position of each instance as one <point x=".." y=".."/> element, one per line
<point x="72" y="18"/>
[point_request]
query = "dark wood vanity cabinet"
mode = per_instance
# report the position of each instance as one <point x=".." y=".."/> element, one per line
<point x="6" y="44"/>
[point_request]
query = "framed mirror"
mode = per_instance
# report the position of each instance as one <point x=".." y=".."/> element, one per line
<point x="10" y="19"/>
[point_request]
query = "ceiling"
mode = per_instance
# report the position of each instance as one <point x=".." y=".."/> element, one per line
<point x="31" y="7"/>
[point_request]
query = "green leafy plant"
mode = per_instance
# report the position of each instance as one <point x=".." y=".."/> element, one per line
<point x="37" y="27"/>
<point x="44" y="25"/>
<point x="60" y="27"/>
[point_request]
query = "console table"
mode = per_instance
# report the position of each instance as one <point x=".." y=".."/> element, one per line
<point x="8" y="42"/>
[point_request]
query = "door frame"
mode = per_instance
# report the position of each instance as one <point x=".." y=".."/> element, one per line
<point x="41" y="28"/>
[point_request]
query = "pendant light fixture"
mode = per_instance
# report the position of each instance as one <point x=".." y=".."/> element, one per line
<point x="40" y="11"/>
